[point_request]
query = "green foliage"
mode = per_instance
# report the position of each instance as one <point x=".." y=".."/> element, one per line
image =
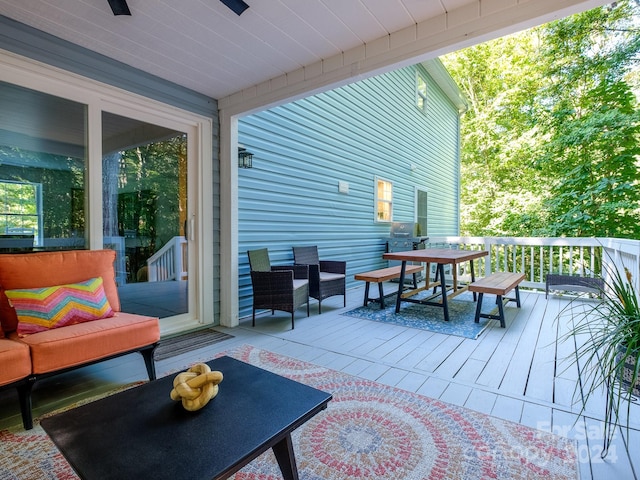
<point x="60" y="177"/>
<point x="152" y="187"/>
<point x="499" y="136"/>
<point x="550" y="144"/>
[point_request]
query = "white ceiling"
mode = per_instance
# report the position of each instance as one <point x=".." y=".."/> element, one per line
<point x="202" y="45"/>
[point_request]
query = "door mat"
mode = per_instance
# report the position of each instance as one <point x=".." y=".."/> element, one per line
<point x="187" y="342"/>
<point x="462" y="311"/>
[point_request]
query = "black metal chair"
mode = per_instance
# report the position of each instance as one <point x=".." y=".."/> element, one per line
<point x="326" y="277"/>
<point x="283" y="287"/>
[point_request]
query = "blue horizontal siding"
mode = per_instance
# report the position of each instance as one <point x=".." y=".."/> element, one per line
<point x="351" y="134"/>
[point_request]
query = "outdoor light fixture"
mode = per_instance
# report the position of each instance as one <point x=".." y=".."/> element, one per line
<point x="245" y="159"/>
<point x="238" y="6"/>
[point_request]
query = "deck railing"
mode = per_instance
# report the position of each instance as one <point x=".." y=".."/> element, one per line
<point x="170" y="262"/>
<point x="538" y="256"/>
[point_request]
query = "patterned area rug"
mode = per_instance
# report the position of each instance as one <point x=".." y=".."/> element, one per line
<point x="462" y="311"/>
<point x="31" y="455"/>
<point x="369" y="431"/>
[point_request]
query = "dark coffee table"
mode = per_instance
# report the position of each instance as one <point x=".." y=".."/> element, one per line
<point x="142" y="433"/>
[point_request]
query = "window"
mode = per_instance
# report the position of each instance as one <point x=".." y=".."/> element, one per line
<point x="421" y="92"/>
<point x="21" y="212"/>
<point x="421" y="213"/>
<point x="384" y="200"/>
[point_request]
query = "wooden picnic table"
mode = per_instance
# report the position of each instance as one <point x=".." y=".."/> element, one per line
<point x="441" y="257"/>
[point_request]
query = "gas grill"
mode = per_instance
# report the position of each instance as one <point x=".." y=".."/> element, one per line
<point x="401" y="239"/>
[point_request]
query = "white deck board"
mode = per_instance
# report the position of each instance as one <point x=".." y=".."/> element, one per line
<point x="481" y="401"/>
<point x="456" y="394"/>
<point x="433" y="387"/>
<point x="507" y="408"/>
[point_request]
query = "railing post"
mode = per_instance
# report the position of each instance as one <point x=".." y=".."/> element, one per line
<point x="177" y="259"/>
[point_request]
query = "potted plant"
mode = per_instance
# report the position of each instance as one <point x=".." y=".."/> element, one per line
<point x="609" y="355"/>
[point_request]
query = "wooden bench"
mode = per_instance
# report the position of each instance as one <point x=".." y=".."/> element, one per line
<point x="499" y="284"/>
<point x="382" y="275"/>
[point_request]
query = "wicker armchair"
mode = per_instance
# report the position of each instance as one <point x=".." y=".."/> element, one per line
<point x="283" y="288"/>
<point x="326" y="277"/>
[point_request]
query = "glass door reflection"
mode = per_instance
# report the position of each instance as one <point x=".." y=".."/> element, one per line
<point x="144" y="210"/>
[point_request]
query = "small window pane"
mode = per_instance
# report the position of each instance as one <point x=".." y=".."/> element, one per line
<point x="384" y="190"/>
<point x="421" y="213"/>
<point x="384" y="200"/>
<point x="421" y="92"/>
<point x="422" y="86"/>
<point x="384" y="211"/>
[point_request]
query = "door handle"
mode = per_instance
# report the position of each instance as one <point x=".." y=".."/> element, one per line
<point x="192" y="228"/>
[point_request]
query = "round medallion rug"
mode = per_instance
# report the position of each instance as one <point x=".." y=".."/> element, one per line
<point x="373" y="431"/>
<point x="368" y="431"/>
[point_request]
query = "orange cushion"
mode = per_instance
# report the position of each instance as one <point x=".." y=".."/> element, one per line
<point x="84" y="342"/>
<point x="15" y="361"/>
<point x="43" y="269"/>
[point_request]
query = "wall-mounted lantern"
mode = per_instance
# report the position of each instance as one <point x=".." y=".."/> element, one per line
<point x="245" y="159"/>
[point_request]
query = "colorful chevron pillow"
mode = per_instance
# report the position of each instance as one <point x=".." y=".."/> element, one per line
<point x="41" y="309"/>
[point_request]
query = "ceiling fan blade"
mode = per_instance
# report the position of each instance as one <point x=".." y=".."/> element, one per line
<point x="238" y="6"/>
<point x="119" y="7"/>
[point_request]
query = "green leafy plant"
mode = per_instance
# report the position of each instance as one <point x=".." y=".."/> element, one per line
<point x="608" y="352"/>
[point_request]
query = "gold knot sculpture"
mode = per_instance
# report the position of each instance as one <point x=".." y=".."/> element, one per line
<point x="196" y="386"/>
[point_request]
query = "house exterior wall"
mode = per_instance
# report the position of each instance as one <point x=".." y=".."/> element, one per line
<point x="353" y="134"/>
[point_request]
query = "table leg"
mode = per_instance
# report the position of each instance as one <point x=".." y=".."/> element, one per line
<point x="366" y="294"/>
<point x="283" y="451"/>
<point x="403" y="269"/>
<point x="473" y="279"/>
<point x="454" y="267"/>
<point x="427" y="277"/>
<point x="435" y="279"/>
<point x="501" y="310"/>
<point x="478" y="307"/>
<point x="443" y="286"/>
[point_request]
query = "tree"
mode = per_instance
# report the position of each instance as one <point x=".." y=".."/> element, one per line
<point x="593" y="124"/>
<point x="500" y="188"/>
<point x="550" y="141"/>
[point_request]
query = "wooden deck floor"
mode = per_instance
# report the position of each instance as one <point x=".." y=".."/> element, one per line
<point x="517" y="373"/>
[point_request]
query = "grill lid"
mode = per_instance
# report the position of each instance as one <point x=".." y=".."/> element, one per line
<point x="402" y="229"/>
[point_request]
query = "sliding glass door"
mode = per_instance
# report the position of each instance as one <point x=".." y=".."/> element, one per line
<point x="145" y="213"/>
<point x="80" y="170"/>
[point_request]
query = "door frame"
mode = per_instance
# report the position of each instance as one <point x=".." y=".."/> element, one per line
<point x="98" y="96"/>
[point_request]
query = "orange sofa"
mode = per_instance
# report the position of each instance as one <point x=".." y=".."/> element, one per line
<point x="25" y="358"/>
